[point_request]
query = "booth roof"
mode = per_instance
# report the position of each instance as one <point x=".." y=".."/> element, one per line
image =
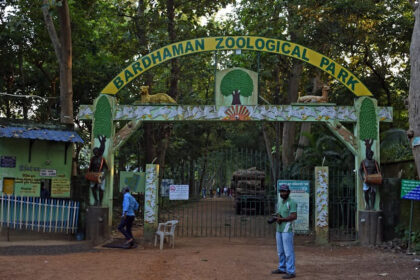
<point x="39" y="134"/>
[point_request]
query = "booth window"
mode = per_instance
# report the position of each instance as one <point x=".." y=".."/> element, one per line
<point x="45" y="188"/>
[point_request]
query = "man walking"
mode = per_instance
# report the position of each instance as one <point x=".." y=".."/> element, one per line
<point x="129" y="206"/>
<point x="286" y="214"/>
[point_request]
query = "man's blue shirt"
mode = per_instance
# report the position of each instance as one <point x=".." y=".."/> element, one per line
<point x="129" y="204"/>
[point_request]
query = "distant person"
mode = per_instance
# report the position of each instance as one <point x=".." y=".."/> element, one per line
<point x="44" y="192"/>
<point x="129" y="206"/>
<point x="225" y="191"/>
<point x="218" y="192"/>
<point x="286" y="214"/>
<point x="204" y="192"/>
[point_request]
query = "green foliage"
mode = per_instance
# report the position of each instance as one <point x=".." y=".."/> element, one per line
<point x="237" y="80"/>
<point x="396" y="152"/>
<point x="103" y="117"/>
<point x="402" y="232"/>
<point x="395" y="146"/>
<point x="368" y="120"/>
<point x="323" y="149"/>
<point x="370" y="38"/>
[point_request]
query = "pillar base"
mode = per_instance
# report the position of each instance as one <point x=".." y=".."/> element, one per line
<point x="149" y="231"/>
<point x="97" y="229"/>
<point x="370" y="227"/>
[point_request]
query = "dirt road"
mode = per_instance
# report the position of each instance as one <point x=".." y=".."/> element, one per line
<point x="213" y="258"/>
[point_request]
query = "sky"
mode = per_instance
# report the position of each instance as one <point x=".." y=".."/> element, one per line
<point x="221" y="15"/>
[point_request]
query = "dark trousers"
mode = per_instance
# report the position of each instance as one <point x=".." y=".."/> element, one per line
<point x="126" y="223"/>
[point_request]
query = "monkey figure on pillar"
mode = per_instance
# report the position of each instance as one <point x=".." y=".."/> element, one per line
<point x="97" y="168"/>
<point x="371" y="176"/>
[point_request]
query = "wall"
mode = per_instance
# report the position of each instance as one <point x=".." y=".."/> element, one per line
<point x="47" y="163"/>
<point x="396" y="211"/>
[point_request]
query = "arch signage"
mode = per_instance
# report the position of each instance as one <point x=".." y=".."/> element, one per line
<point x="252" y="43"/>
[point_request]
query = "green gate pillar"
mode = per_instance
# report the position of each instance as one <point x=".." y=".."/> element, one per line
<point x="321" y="205"/>
<point x="151" y="202"/>
<point x="104" y="112"/>
<point x="367" y="127"/>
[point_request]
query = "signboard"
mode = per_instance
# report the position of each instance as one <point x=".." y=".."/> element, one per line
<point x="179" y="192"/>
<point x="164" y="187"/>
<point x="32" y="189"/>
<point x="410" y="189"/>
<point x="134" y="180"/>
<point x="28" y="185"/>
<point x="252" y="43"/>
<point x="416" y="141"/>
<point x="60" y="187"/>
<point x="8" y="161"/>
<point x="299" y="192"/>
<point x="48" y="172"/>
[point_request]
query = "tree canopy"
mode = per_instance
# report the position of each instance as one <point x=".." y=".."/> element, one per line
<point x="370" y="38"/>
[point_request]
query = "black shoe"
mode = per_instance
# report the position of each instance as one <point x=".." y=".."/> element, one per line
<point x="278" y="271"/>
<point x="289" y="276"/>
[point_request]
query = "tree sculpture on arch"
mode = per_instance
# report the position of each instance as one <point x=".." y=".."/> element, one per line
<point x="237" y="83"/>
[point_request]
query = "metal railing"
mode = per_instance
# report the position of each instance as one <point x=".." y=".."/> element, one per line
<point x="217" y="217"/>
<point x="38" y="214"/>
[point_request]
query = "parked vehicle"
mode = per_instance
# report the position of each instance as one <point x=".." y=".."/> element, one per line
<point x="248" y="186"/>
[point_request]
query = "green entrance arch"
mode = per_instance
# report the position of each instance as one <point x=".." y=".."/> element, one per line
<point x="253" y="43"/>
<point x="106" y="110"/>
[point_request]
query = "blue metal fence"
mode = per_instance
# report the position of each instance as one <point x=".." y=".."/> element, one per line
<point x="38" y="214"/>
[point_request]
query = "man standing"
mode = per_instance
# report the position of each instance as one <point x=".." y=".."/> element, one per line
<point x="129" y="206"/>
<point x="286" y="214"/>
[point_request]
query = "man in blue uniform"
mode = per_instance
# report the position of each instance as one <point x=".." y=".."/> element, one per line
<point x="286" y="214"/>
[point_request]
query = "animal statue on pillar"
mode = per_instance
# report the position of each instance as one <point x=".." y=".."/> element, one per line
<point x="158" y="98"/>
<point x="315" y="98"/>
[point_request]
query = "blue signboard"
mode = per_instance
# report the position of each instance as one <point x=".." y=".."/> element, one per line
<point x="410" y="189"/>
<point x="8" y="161"/>
<point x="299" y="192"/>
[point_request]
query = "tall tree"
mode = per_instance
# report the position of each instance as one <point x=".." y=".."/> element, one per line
<point x="63" y="51"/>
<point x="414" y="93"/>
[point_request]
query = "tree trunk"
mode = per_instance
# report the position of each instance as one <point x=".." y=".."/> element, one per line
<point x="149" y="143"/>
<point x="173" y="84"/>
<point x="414" y="93"/>
<point x="305" y="127"/>
<point x="204" y="167"/>
<point x="235" y="98"/>
<point x="23" y="86"/>
<point x="289" y="129"/>
<point x="141" y="32"/>
<point x="167" y="129"/>
<point x="66" y="84"/>
<point x="268" y="146"/>
<point x="63" y="52"/>
<point x="278" y="153"/>
<point x="278" y="125"/>
<point x="191" y="179"/>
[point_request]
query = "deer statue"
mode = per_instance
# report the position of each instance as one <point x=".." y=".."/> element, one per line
<point x="314" y="98"/>
<point x="154" y="98"/>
